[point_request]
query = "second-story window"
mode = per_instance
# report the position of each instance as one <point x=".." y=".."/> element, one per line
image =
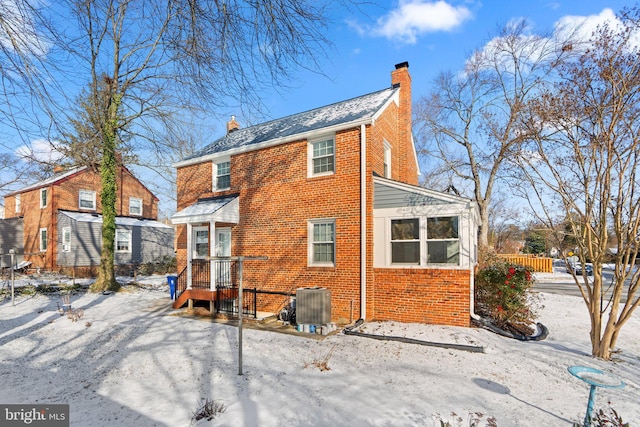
<point x="43" y="197"/>
<point x="135" y="206"/>
<point x="18" y="204"/>
<point x="323" y="159"/>
<point x="222" y="176"/>
<point x="87" y="199"/>
<point x="387" y="160"/>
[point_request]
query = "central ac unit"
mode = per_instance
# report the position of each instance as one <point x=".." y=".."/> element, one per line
<point x="313" y="306"/>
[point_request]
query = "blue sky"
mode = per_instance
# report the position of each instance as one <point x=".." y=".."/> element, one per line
<point x="432" y="36"/>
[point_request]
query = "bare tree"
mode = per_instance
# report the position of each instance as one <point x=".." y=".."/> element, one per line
<point x="148" y="65"/>
<point x="583" y="169"/>
<point x="471" y="121"/>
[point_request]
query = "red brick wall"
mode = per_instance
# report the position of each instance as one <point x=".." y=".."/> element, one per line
<point x="437" y="296"/>
<point x="64" y="195"/>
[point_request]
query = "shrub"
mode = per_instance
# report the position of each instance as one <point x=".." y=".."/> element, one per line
<point x="502" y="295"/>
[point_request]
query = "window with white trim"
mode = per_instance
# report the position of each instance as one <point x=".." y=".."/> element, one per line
<point x="66" y="239"/>
<point x="387" y="160"/>
<point x="222" y="175"/>
<point x="425" y="240"/>
<point x="123" y="240"/>
<point x="322" y="242"/>
<point x="18" y="204"/>
<point x="87" y="199"/>
<point x="443" y="240"/>
<point x="43" y="197"/>
<point x="200" y="242"/>
<point x="405" y="241"/>
<point x="135" y="206"/>
<point x="322" y="157"/>
<point x="43" y="239"/>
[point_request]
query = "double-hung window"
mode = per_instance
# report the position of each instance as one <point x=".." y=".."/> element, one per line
<point x="425" y="240"/>
<point x="87" y="199"/>
<point x="387" y="160"/>
<point x="18" y="204"/>
<point x="43" y="197"/>
<point x="43" y="239"/>
<point x="323" y="157"/>
<point x="200" y="242"/>
<point x="443" y="242"/>
<point x="405" y="241"/>
<point x="123" y="240"/>
<point x="222" y="176"/>
<point x="135" y="206"/>
<point x="322" y="242"/>
<point x="66" y="239"/>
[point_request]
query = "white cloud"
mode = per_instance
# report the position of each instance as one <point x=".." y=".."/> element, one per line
<point x="582" y="27"/>
<point x="18" y="30"/>
<point x="415" y="17"/>
<point x="39" y="150"/>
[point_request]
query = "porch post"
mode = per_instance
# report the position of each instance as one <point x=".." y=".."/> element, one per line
<point x="212" y="253"/>
<point x="189" y="253"/>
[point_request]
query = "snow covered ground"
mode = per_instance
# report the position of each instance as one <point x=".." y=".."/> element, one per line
<point x="133" y="361"/>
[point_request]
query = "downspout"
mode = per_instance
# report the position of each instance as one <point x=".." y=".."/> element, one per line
<point x="363" y="222"/>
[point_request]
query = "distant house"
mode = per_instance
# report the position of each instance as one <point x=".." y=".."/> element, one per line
<point x="60" y="221"/>
<point x="330" y="196"/>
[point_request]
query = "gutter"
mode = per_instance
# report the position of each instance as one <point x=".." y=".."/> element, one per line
<point x="363" y="221"/>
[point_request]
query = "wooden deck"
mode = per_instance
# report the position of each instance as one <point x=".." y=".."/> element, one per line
<point x="199" y="295"/>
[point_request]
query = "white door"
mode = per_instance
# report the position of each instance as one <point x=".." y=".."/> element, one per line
<point x="223" y="249"/>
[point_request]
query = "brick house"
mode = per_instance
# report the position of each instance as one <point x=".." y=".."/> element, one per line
<point x="61" y="223"/>
<point x="330" y="196"/>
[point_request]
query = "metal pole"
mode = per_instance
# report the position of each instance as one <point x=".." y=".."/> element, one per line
<point x="13" y="255"/>
<point x="240" y="313"/>
<point x="592" y="398"/>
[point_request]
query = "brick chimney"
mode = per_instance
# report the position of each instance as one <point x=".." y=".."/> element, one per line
<point x="408" y="169"/>
<point x="232" y="125"/>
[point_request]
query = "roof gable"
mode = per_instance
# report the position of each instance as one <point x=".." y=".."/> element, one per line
<point x="56" y="178"/>
<point x="394" y="194"/>
<point x="365" y="107"/>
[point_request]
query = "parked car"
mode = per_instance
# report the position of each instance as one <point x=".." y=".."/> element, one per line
<point x="577" y="268"/>
<point x="588" y="270"/>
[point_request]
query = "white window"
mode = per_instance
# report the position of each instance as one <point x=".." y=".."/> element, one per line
<point x="66" y="239"/>
<point x="322" y="242"/>
<point x="387" y="160"/>
<point x="87" y="199"/>
<point x="222" y="175"/>
<point x="405" y="241"/>
<point x="200" y="242"/>
<point x="43" y="197"/>
<point x="425" y="241"/>
<point x="135" y="206"/>
<point x="443" y="242"/>
<point x="43" y="239"/>
<point x="322" y="157"/>
<point x="18" y="204"/>
<point x="123" y="240"/>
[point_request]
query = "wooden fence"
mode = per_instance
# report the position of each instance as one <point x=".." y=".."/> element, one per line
<point x="538" y="264"/>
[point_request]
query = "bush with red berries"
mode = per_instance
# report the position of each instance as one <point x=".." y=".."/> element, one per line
<point x="502" y="294"/>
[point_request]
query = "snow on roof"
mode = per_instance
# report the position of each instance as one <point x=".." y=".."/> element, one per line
<point x="359" y="108"/>
<point x="45" y="182"/>
<point x="203" y="207"/>
<point x="120" y="220"/>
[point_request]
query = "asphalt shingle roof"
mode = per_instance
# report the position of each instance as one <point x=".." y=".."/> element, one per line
<point x="359" y="108"/>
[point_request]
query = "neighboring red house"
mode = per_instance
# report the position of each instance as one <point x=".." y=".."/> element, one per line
<point x="61" y="219"/>
<point x="330" y="196"/>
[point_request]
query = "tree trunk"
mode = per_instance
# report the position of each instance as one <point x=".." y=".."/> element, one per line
<point x="106" y="280"/>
